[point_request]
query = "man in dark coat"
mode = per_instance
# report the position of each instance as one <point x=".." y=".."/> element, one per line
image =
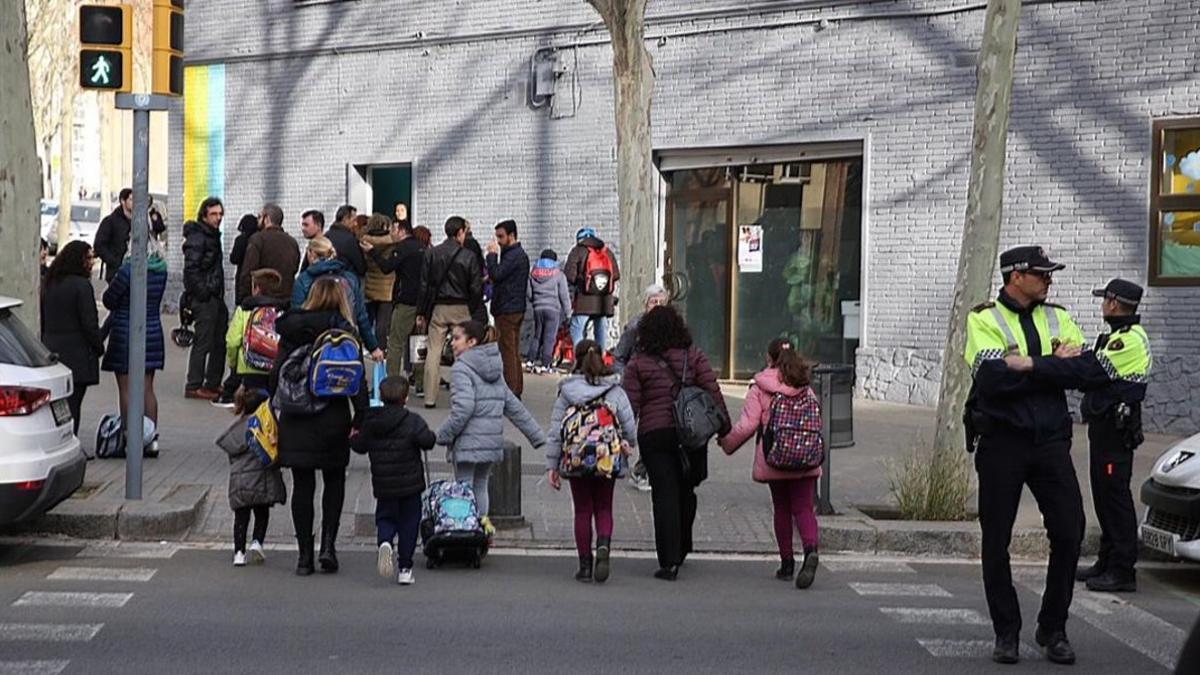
<point x="451" y="283"/>
<point x="345" y="243"/>
<point x="592" y="273"/>
<point x="508" y="267"/>
<point x="271" y="248"/>
<point x="204" y="281"/>
<point x="112" y="237"/>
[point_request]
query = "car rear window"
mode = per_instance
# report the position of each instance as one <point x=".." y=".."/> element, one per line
<point x="19" y="346"/>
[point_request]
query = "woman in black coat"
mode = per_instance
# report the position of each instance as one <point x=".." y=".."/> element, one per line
<point x="70" y="323"/>
<point x="320" y="442"/>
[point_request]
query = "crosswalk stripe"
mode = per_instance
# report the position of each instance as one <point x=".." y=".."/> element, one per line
<point x="882" y="566"/>
<point x="49" y="632"/>
<point x="60" y="599"/>
<point x="103" y="574"/>
<point x="914" y="590"/>
<point x="949" y="617"/>
<point x="968" y="649"/>
<point x="125" y="549"/>
<point x="32" y="667"/>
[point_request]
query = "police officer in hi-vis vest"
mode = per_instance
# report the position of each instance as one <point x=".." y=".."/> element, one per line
<point x="1020" y="430"/>
<point x="1113" y="378"/>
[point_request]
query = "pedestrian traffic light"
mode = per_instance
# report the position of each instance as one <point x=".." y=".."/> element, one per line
<point x="106" y="47"/>
<point x="167" y="73"/>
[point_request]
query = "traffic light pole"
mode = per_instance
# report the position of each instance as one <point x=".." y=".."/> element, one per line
<point x="141" y="105"/>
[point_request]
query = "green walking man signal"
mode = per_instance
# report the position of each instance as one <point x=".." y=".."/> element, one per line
<point x="106" y="43"/>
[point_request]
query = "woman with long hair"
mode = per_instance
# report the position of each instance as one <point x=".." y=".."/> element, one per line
<point x="323" y="262"/>
<point x="792" y="492"/>
<point x="320" y="441"/>
<point x="70" y="323"/>
<point x="665" y="359"/>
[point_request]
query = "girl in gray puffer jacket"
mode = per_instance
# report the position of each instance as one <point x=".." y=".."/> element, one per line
<point x="479" y="402"/>
<point x="252" y="486"/>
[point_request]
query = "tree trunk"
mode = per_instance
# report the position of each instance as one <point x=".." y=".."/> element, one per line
<point x="20" y="179"/>
<point x="633" y="80"/>
<point x="66" y="164"/>
<point x="985" y="197"/>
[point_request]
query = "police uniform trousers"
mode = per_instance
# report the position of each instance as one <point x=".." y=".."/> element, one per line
<point x="1005" y="464"/>
<point x="1111" y="471"/>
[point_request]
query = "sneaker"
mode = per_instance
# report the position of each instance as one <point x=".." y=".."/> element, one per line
<point x="639" y="477"/>
<point x="385" y="561"/>
<point x="405" y="578"/>
<point x="223" y="403"/>
<point x="257" y="556"/>
<point x="239" y="559"/>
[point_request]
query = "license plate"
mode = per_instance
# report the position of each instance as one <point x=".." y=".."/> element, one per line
<point x="62" y="412"/>
<point x="1159" y="540"/>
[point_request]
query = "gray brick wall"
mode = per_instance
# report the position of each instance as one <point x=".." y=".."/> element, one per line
<point x="1091" y="76"/>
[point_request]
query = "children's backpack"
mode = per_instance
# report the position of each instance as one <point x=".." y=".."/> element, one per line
<point x="598" y="272"/>
<point x="110" y="439"/>
<point x="292" y="393"/>
<point x="262" y="434"/>
<point x="450" y="508"/>
<point x="591" y="439"/>
<point x="792" y="437"/>
<point x="336" y="368"/>
<point x="260" y="343"/>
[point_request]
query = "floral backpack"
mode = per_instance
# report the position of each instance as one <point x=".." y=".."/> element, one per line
<point x="591" y="439"/>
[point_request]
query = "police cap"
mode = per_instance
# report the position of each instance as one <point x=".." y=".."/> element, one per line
<point x="1122" y="291"/>
<point x="1027" y="259"/>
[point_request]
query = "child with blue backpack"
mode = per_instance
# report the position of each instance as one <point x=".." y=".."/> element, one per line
<point x="394" y="439"/>
<point x="254" y="487"/>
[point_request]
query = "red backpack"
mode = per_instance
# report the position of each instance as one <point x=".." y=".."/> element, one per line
<point x="598" y="272"/>
<point x="260" y="343"/>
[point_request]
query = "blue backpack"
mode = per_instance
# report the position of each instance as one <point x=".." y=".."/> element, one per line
<point x="336" y="368"/>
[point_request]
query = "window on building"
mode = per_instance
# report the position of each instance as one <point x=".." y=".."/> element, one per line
<point x="1175" y="203"/>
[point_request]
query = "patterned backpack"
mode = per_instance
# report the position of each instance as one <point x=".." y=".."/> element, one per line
<point x="336" y="369"/>
<point x="591" y="441"/>
<point x="792" y="438"/>
<point x="450" y="507"/>
<point x="260" y="344"/>
<point x="262" y="434"/>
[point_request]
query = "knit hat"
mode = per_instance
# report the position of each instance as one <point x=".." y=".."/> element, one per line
<point x="549" y="254"/>
<point x="584" y="233"/>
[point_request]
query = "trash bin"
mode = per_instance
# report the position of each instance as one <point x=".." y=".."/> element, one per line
<point x="504" y="489"/>
<point x="834" y="383"/>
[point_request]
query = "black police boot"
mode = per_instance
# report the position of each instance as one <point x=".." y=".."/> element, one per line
<point x="603" y="551"/>
<point x="304" y="566"/>
<point x="585" y="569"/>
<point x="1085" y="573"/>
<point x="1055" y="644"/>
<point x="1113" y="582"/>
<point x="328" y="556"/>
<point x="787" y="569"/>
<point x="1007" y="650"/>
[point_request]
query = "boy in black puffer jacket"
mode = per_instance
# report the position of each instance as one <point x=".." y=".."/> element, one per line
<point x="393" y="437"/>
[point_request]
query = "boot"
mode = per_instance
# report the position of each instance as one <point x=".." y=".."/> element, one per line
<point x="603" y="548"/>
<point x="1055" y="645"/>
<point x="787" y="569"/>
<point x="304" y="566"/>
<point x="808" y="571"/>
<point x="1084" y="573"/>
<point x="1113" y="581"/>
<point x="585" y="569"/>
<point x="328" y="556"/>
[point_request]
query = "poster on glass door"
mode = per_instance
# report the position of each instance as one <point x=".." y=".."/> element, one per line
<point x="750" y="248"/>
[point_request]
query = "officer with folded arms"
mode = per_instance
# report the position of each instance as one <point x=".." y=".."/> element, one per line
<point x="1020" y="430"/>
<point x="1113" y="378"/>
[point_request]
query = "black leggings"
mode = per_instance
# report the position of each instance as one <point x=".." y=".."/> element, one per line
<point x="75" y="403"/>
<point x="304" y="488"/>
<point x="241" y="521"/>
<point x="672" y="495"/>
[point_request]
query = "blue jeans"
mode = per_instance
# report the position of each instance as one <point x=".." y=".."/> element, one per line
<point x="599" y="326"/>
<point x="399" y="519"/>
<point x="545" y="333"/>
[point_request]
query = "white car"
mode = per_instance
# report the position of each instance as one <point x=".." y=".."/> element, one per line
<point x="41" y="463"/>
<point x="1171" y="523"/>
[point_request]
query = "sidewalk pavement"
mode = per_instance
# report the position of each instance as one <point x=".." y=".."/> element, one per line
<point x="734" y="512"/>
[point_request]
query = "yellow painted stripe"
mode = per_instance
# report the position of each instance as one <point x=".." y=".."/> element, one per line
<point x="195" y="138"/>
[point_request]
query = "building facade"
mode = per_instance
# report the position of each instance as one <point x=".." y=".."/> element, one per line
<point x="813" y="155"/>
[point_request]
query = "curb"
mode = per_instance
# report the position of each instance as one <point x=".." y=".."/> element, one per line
<point x="107" y="518"/>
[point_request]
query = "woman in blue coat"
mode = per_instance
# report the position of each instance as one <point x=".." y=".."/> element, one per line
<point x="116" y="356"/>
<point x="323" y="261"/>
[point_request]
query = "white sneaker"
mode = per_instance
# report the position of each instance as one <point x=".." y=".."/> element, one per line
<point x="257" y="555"/>
<point x="239" y="559"/>
<point x="385" y="561"/>
<point x="405" y="578"/>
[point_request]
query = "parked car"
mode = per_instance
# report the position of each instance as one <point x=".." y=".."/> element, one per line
<point x="41" y="462"/>
<point x="1171" y="494"/>
<point x="85" y="220"/>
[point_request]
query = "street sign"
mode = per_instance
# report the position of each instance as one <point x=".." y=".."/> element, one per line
<point x="106" y="44"/>
<point x="167" y="69"/>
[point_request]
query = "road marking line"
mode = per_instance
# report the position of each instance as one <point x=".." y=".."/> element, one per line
<point x="969" y="649"/>
<point x="912" y="590"/>
<point x="1133" y="626"/>
<point x="948" y="617"/>
<point x="32" y="667"/>
<point x="102" y="574"/>
<point x="49" y="632"/>
<point x="884" y="566"/>
<point x="59" y="599"/>
<point x="128" y="550"/>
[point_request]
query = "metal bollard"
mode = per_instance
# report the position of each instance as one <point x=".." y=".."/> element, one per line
<point x="504" y="489"/>
<point x="834" y="385"/>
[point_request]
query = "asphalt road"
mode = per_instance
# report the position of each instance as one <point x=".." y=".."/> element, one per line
<point x="72" y="609"/>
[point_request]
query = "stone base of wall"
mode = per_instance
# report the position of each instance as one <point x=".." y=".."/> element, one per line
<point x="913" y="376"/>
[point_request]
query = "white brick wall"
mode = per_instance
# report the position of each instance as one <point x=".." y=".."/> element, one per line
<point x="1091" y="76"/>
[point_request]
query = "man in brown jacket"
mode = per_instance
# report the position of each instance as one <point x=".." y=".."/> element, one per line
<point x="271" y="248"/>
